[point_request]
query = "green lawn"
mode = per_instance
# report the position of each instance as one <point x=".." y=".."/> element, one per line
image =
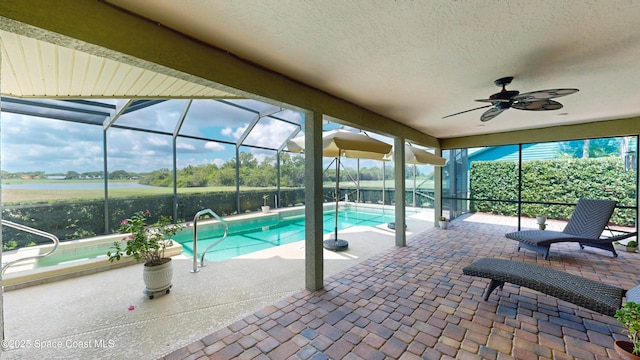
<point x="12" y="196"/>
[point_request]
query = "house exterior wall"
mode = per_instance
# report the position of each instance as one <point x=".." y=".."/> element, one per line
<point x="541" y="151"/>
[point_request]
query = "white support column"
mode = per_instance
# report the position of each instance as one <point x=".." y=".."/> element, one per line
<point x="313" y="259"/>
<point x="1" y="241"/>
<point x="398" y="172"/>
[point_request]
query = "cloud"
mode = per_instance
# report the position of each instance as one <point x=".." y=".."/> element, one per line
<point x="270" y="133"/>
<point x="218" y="162"/>
<point x="162" y="116"/>
<point x="261" y="155"/>
<point x="35" y="144"/>
<point x="214" y="146"/>
<point x="182" y="163"/>
<point x="155" y="140"/>
<point x="234" y="134"/>
<point x="181" y="145"/>
<point x="54" y="146"/>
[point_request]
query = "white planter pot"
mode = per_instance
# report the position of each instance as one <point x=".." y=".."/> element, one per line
<point x="443" y="224"/>
<point x="158" y="278"/>
<point x="541" y="220"/>
<point x="265" y="209"/>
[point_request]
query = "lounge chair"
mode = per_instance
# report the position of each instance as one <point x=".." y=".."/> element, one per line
<point x="586" y="225"/>
<point x="590" y="294"/>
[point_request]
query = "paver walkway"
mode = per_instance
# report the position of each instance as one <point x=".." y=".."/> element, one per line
<point x="415" y="303"/>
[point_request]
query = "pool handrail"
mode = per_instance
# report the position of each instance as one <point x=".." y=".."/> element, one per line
<point x="28" y="229"/>
<point x="195" y="237"/>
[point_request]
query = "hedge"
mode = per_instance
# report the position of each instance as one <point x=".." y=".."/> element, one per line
<point x="555" y="181"/>
<point x="76" y="220"/>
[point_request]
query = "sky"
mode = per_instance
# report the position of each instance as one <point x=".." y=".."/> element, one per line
<point x="54" y="146"/>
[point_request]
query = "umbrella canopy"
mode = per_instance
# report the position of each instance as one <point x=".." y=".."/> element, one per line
<point x="413" y="155"/>
<point x="338" y="143"/>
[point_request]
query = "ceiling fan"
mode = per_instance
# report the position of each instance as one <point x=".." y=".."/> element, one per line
<point x="535" y="100"/>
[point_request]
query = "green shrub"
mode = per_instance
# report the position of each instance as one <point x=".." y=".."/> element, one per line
<point x="556" y="181"/>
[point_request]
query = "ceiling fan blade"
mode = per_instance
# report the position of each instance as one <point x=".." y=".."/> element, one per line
<point x="490" y="114"/>
<point x="538" y="105"/>
<point x="466" y="111"/>
<point x="544" y="94"/>
<point x="493" y="100"/>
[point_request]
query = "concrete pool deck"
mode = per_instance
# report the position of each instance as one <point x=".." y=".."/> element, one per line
<point x="88" y="316"/>
<point x="88" y="255"/>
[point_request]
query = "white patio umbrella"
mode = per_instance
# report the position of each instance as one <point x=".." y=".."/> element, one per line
<point x="416" y="156"/>
<point x="338" y="143"/>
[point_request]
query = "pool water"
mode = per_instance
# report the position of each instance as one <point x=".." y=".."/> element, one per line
<point x="79" y="254"/>
<point x="245" y="239"/>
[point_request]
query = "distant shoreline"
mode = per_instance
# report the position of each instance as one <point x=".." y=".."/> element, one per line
<point x="59" y="181"/>
<point x="71" y="185"/>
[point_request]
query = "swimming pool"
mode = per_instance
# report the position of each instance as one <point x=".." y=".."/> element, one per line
<point x="274" y="231"/>
<point x="72" y="258"/>
<point x="248" y="233"/>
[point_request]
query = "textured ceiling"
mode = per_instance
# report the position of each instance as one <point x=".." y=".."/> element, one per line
<point x="417" y="61"/>
<point x="412" y="61"/>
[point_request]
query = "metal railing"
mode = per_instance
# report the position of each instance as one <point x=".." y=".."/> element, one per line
<point x="198" y="215"/>
<point x="31" y="230"/>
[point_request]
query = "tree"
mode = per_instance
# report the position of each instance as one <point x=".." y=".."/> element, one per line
<point x="161" y="177"/>
<point x="590" y="148"/>
<point x="93" y="174"/>
<point x="226" y="176"/>
<point x="247" y="160"/>
<point x="262" y="176"/>
<point x="119" y="175"/>
<point x="72" y="175"/>
<point x="291" y="170"/>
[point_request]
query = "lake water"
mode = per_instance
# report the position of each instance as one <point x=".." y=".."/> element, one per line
<point x="78" y="185"/>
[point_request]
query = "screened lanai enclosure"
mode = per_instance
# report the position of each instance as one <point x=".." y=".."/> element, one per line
<point x="76" y="168"/>
<point x="544" y="179"/>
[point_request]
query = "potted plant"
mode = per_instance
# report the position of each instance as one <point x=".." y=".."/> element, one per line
<point x="632" y="246"/>
<point x="146" y="243"/>
<point x="442" y="222"/>
<point x="265" y="207"/>
<point x="629" y="316"/>
<point x="541" y="220"/>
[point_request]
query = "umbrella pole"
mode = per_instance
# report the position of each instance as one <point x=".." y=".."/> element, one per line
<point x="336" y="244"/>
<point x="383" y="176"/>
<point x="414" y="185"/>
<point x="337" y="198"/>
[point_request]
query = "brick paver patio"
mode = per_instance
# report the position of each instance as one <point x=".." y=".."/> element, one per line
<point x="415" y="303"/>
